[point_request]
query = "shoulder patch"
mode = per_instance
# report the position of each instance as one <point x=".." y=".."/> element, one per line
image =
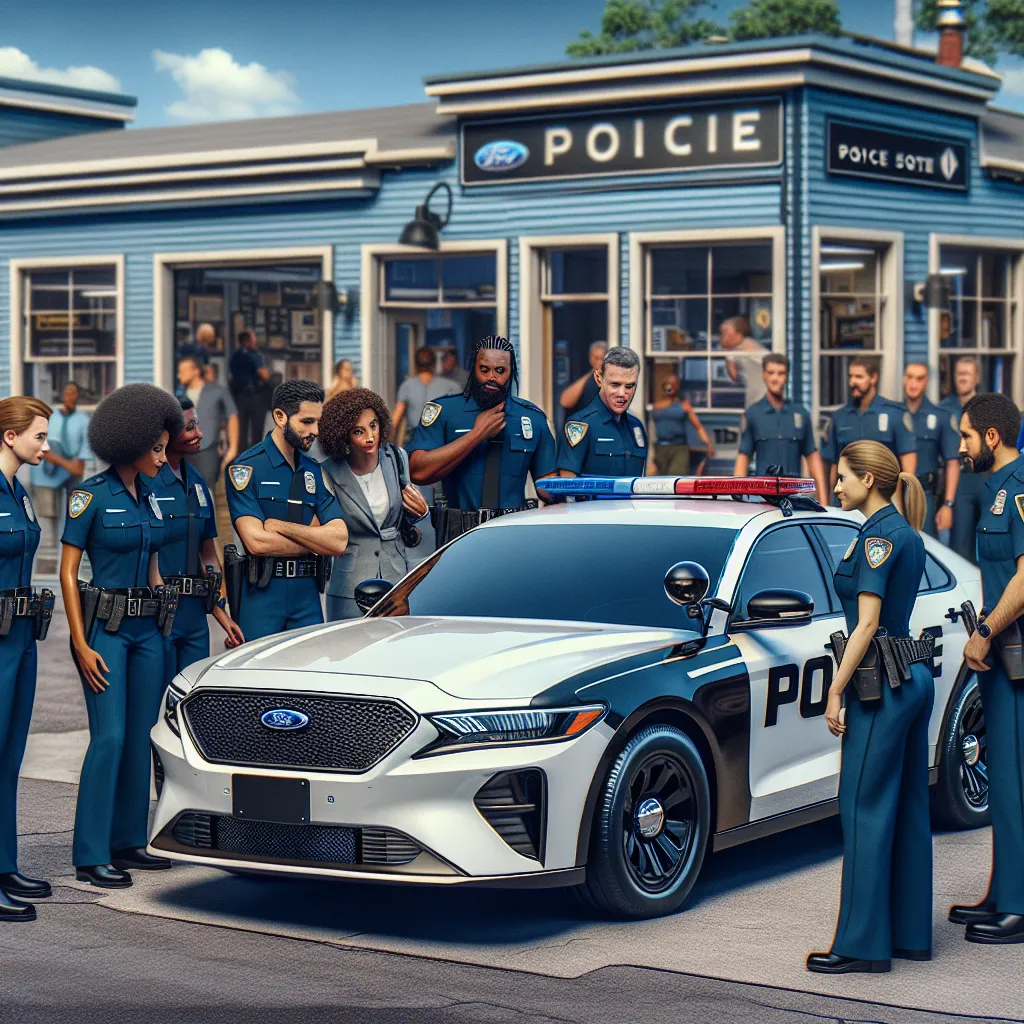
<point x="877" y="550"/>
<point x="908" y="422"/>
<point x="430" y="413"/>
<point x="1019" y="502"/>
<point x="575" y="431"/>
<point x="78" y="503"/>
<point x="240" y="476"/>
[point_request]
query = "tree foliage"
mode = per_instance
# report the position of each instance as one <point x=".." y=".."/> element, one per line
<point x="629" y="25"/>
<point x="770" y="19"/>
<point x="1006" y="20"/>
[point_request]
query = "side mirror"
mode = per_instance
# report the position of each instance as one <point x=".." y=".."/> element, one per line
<point x="780" y="606"/>
<point x="686" y="583"/>
<point x="369" y="592"/>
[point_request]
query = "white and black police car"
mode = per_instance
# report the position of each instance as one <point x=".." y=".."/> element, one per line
<point x="593" y="694"/>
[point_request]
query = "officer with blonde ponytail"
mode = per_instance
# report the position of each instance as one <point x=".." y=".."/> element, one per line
<point x="886" y="904"/>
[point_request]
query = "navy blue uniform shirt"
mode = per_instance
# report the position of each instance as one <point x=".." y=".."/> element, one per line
<point x="19" y="535"/>
<point x="243" y="366"/>
<point x="186" y="505"/>
<point x="884" y="421"/>
<point x="777" y="437"/>
<point x="527" y="448"/>
<point x="596" y="442"/>
<point x="1001" y="530"/>
<point x="937" y="440"/>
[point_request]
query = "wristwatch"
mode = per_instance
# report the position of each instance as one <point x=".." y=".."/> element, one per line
<point x="984" y="630"/>
<point x="949" y="503"/>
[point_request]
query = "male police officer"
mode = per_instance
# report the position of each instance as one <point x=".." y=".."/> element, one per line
<point x="777" y="432"/>
<point x="482" y="443"/>
<point x="988" y="433"/>
<point x="605" y="439"/>
<point x="869" y="417"/>
<point x="971" y="495"/>
<point x="284" y="516"/>
<point x="937" y="446"/>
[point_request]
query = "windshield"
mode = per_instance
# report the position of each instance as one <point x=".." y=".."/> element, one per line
<point x="589" y="572"/>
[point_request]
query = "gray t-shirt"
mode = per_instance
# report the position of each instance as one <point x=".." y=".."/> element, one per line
<point x="747" y="359"/>
<point x="416" y="394"/>
<point x="214" y="407"/>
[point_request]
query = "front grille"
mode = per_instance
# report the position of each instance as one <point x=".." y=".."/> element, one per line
<point x="512" y="803"/>
<point x="304" y="844"/>
<point x="344" y="734"/>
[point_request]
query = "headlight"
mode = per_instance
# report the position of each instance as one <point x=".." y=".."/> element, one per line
<point x="171" y="701"/>
<point x="529" y="725"/>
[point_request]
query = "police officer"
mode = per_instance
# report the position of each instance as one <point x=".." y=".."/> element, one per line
<point x="605" y="438"/>
<point x="116" y="640"/>
<point x="187" y="506"/>
<point x="869" y="417"/>
<point x="988" y="432"/>
<point x="23" y="433"/>
<point x="248" y="378"/>
<point x="483" y="443"/>
<point x="285" y="516"/>
<point x="885" y="909"/>
<point x="937" y="447"/>
<point x="777" y="432"/>
<point x="971" y="495"/>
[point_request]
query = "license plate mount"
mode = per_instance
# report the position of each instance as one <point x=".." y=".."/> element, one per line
<point x="266" y="798"/>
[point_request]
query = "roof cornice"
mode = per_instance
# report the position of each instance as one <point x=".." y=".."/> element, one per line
<point x="71" y="102"/>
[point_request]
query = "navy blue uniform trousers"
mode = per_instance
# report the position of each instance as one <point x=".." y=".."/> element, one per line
<point x="189" y="641"/>
<point x="17" y="691"/>
<point x="887" y="838"/>
<point x="113" y="794"/>
<point x="282" y="604"/>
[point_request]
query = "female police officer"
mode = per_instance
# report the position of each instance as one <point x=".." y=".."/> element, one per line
<point x="886" y="904"/>
<point x="115" y="640"/>
<point x="23" y="429"/>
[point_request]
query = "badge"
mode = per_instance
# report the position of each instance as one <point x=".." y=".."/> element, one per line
<point x="1019" y="500"/>
<point x="527" y="424"/>
<point x="908" y="422"/>
<point x="154" y="504"/>
<point x="240" y="476"/>
<point x="850" y="549"/>
<point x="575" y="432"/>
<point x="201" y="495"/>
<point x="798" y="421"/>
<point x="430" y="413"/>
<point x="933" y="421"/>
<point x="999" y="504"/>
<point x="883" y="422"/>
<point x="878" y="549"/>
<point x="78" y="503"/>
<point x="28" y="508"/>
<point x="639" y="435"/>
<point x="310" y="482"/>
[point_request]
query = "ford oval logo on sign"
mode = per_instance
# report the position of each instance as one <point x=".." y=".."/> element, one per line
<point x="503" y="155"/>
<point x="284" y="719"/>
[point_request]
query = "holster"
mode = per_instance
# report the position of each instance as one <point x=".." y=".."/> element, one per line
<point x="7" y="606"/>
<point x="115" y="616"/>
<point x="259" y="571"/>
<point x="234" y="578"/>
<point x="324" y="564"/>
<point x="89" y="599"/>
<point x="216" y="580"/>
<point x="867" y="677"/>
<point x="439" y="519"/>
<point x="168" y="598"/>
<point x="44" y="613"/>
<point x="1009" y="645"/>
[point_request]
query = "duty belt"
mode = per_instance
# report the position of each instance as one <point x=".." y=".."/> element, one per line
<point x="462" y="521"/>
<point x="191" y="586"/>
<point x="293" y="568"/>
<point x="894" y="654"/>
<point x="26" y="602"/>
<point x="928" y="481"/>
<point x="139" y="603"/>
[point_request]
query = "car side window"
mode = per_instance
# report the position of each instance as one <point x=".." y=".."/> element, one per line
<point x="782" y="559"/>
<point x="934" y="577"/>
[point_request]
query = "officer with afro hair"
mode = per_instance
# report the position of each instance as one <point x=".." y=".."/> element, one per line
<point x="115" y="640"/>
<point x="287" y="519"/>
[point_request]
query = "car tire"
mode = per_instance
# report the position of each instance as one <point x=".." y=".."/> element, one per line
<point x="651" y="827"/>
<point x="960" y="797"/>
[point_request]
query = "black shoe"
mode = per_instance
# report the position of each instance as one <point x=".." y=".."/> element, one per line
<point x="912" y="954"/>
<point x="18" y="885"/>
<point x="15" y="910"/>
<point x="972" y="913"/>
<point x="138" y="860"/>
<point x="833" y="963"/>
<point x="1002" y="928"/>
<point x="106" y="876"/>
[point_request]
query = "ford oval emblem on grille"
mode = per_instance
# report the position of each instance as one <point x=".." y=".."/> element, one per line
<point x="284" y="719"/>
<point x="503" y="155"/>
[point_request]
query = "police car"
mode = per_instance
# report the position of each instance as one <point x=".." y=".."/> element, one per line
<point x="596" y="694"/>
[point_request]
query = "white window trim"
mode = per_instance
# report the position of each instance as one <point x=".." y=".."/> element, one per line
<point x="164" y="265"/>
<point x="892" y="316"/>
<point x="531" y="326"/>
<point x="373" y="357"/>
<point x="18" y="267"/>
<point x="640" y="241"/>
<point x="1016" y="342"/>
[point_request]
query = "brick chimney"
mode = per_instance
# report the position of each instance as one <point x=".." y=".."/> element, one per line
<point x="950" y="24"/>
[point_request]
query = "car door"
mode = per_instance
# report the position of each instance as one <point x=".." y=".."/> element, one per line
<point x="794" y="759"/>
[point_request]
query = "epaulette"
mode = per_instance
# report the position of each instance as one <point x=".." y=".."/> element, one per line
<point x="92" y="481"/>
<point x="527" y="403"/>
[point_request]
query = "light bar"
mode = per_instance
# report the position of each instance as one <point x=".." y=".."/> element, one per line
<point x="676" y="486"/>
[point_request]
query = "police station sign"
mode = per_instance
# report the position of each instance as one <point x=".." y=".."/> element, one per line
<point x="865" y="151"/>
<point x="690" y="137"/>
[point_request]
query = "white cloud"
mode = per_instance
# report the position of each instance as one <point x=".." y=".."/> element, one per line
<point x="217" y="88"/>
<point x="14" y="63"/>
<point x="1012" y="92"/>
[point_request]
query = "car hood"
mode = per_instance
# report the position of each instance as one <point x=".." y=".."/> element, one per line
<point x="472" y="659"/>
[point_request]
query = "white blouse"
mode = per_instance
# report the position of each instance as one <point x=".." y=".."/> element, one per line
<point x="376" y="491"/>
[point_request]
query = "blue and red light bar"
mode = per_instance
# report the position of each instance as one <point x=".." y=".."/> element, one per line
<point x="677" y="486"/>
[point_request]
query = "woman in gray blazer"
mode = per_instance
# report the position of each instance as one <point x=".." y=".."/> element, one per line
<point x="370" y="479"/>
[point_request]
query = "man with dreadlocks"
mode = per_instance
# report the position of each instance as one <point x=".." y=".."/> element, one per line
<point x="286" y="517"/>
<point x="482" y="443"/>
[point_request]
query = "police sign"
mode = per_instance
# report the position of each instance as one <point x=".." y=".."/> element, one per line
<point x="864" y="151"/>
<point x="689" y="137"/>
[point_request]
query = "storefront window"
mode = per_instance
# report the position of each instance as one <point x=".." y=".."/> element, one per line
<point x="70" y="332"/>
<point x="852" y="310"/>
<point x="981" y="316"/>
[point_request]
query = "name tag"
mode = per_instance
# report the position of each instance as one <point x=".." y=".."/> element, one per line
<point x="464" y="430"/>
<point x="115" y="510"/>
<point x="883" y="421"/>
<point x="270" y="483"/>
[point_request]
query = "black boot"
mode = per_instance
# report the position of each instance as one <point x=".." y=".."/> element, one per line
<point x="19" y="885"/>
<point x="106" y="876"/>
<point x="833" y="963"/>
<point x="1003" y="928"/>
<point x="972" y="913"/>
<point x="15" y="910"/>
<point x="138" y="860"/>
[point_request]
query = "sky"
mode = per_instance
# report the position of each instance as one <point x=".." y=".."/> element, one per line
<point x="214" y="60"/>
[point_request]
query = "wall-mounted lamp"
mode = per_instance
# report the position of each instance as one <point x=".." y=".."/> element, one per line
<point x="932" y="293"/>
<point x="422" y="230"/>
<point x="327" y="297"/>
